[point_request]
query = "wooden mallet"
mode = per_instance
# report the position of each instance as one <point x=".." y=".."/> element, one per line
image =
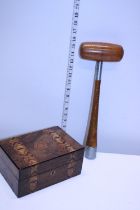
<point x="99" y="52"/>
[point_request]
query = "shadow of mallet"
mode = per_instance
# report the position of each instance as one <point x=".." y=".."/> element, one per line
<point x="99" y="52"/>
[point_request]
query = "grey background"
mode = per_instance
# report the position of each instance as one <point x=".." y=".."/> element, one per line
<point x="34" y="42"/>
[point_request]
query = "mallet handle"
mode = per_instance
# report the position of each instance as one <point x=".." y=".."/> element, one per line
<point x="91" y="141"/>
<point x="92" y="133"/>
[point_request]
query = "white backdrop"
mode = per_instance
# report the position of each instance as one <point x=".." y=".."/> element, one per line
<point x="34" y="42"/>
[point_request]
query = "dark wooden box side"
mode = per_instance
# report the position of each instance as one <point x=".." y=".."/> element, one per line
<point x="29" y="164"/>
<point x="7" y="168"/>
<point x="9" y="163"/>
<point x="49" y="178"/>
<point x="51" y="164"/>
<point x="40" y="181"/>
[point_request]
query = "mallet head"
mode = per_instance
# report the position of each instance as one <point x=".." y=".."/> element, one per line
<point x="100" y="51"/>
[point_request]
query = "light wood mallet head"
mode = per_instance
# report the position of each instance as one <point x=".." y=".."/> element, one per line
<point x="99" y="51"/>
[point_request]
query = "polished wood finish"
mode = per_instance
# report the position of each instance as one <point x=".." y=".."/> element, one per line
<point x="92" y="133"/>
<point x="8" y="174"/>
<point x="99" y="51"/>
<point x="49" y="178"/>
<point x="35" y="160"/>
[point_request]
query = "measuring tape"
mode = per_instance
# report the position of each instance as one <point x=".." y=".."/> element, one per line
<point x="72" y="47"/>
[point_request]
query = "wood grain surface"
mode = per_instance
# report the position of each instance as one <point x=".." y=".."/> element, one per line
<point x="92" y="133"/>
<point x="35" y="160"/>
<point x="99" y="51"/>
<point x="36" y="147"/>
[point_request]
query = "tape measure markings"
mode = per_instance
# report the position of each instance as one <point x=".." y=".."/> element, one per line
<point x="69" y="74"/>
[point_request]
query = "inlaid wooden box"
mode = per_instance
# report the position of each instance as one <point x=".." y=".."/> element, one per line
<point x="39" y="159"/>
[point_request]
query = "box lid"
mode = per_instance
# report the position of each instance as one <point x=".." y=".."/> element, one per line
<point x="42" y="150"/>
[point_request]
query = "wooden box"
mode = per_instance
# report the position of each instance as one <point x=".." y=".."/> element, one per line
<point x="39" y="159"/>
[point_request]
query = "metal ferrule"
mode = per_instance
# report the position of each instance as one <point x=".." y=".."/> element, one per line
<point x="98" y="70"/>
<point x="90" y="152"/>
